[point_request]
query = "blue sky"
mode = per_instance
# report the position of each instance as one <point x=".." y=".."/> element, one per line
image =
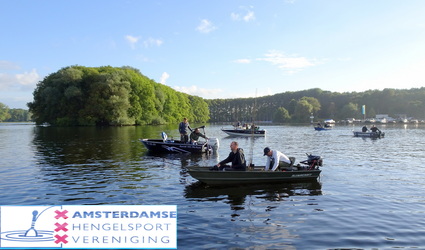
<point x="217" y="49"/>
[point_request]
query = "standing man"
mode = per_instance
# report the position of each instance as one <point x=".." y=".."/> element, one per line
<point x="276" y="159"/>
<point x="236" y="157"/>
<point x="183" y="127"/>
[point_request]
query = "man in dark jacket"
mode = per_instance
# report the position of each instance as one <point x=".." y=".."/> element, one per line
<point x="374" y="129"/>
<point x="236" y="157"/>
<point x="194" y="136"/>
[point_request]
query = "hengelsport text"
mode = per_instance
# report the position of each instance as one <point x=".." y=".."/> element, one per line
<point x="121" y="227"/>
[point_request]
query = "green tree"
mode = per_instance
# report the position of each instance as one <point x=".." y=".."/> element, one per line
<point x="314" y="102"/>
<point x="303" y="111"/>
<point x="4" y="112"/>
<point x="200" y="109"/>
<point x="350" y="110"/>
<point x="291" y="106"/>
<point x="18" y="115"/>
<point x="281" y="115"/>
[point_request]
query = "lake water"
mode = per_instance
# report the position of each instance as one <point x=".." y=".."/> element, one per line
<point x="371" y="193"/>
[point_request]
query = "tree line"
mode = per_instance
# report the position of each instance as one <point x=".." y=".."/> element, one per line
<point x="86" y="96"/>
<point x="13" y="115"/>
<point x="298" y="107"/>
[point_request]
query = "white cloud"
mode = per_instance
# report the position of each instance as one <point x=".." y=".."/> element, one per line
<point x="247" y="15"/>
<point x="132" y="40"/>
<point x="164" y="78"/>
<point x="205" y="26"/>
<point x="235" y="16"/>
<point x="246" y="61"/>
<point x="28" y="78"/>
<point x="18" y="81"/>
<point x="195" y="90"/>
<point x="152" y="42"/>
<point x="290" y="64"/>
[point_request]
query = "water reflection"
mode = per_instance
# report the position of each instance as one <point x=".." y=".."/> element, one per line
<point x="59" y="146"/>
<point x="236" y="196"/>
<point x="183" y="160"/>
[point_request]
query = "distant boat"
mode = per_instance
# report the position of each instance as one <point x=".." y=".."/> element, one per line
<point x="329" y="121"/>
<point x="383" y="120"/>
<point x="244" y="132"/>
<point x="369" y="134"/>
<point x="317" y="128"/>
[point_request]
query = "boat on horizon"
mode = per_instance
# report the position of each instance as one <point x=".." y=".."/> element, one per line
<point x="369" y="134"/>
<point x="238" y="131"/>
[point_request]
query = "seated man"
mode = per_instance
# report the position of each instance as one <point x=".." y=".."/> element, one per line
<point x="236" y="157"/>
<point x="374" y="129"/>
<point x="194" y="136"/>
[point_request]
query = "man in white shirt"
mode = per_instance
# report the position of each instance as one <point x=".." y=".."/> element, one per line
<point x="274" y="159"/>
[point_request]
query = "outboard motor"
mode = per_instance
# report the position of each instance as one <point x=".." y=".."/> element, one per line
<point x="313" y="161"/>
<point x="213" y="143"/>
<point x="164" y="136"/>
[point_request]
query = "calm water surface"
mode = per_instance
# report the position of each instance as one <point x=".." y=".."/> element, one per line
<point x="370" y="194"/>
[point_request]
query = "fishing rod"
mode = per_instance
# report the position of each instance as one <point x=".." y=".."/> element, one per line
<point x="251" y="153"/>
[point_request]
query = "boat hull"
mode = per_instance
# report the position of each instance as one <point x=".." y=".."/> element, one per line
<point x="369" y="134"/>
<point x="320" y="128"/>
<point x="254" y="176"/>
<point x="169" y="146"/>
<point x="244" y="132"/>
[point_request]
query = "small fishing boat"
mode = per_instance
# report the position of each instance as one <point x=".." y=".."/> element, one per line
<point x="171" y="146"/>
<point x="317" y="128"/>
<point x="176" y="146"/>
<point x="255" y="175"/>
<point x="369" y="134"/>
<point x="327" y="126"/>
<point x="244" y="132"/>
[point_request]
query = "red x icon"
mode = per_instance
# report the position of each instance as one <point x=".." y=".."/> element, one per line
<point x="61" y="214"/>
<point x="61" y="227"/>
<point x="61" y="239"/>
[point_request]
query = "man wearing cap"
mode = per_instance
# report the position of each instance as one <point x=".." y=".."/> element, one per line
<point x="276" y="159"/>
